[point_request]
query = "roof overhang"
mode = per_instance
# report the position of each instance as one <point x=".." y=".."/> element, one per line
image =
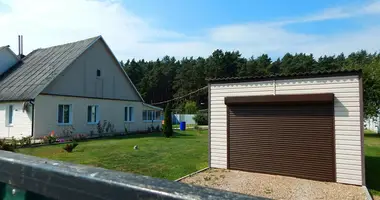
<point x="318" y="74"/>
<point x="281" y="99"/>
<point x="151" y="106"/>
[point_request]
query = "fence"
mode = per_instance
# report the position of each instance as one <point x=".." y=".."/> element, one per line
<point x="188" y="118"/>
<point x="28" y="177"/>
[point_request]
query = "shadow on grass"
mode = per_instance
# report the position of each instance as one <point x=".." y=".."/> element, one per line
<point x="372" y="135"/>
<point x="372" y="165"/>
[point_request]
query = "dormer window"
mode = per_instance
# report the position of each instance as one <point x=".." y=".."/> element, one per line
<point x="98" y="73"/>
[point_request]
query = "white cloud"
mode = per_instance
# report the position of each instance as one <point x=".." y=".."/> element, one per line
<point x="45" y="23"/>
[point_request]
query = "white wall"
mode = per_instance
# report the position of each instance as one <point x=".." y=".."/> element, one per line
<point x="347" y="117"/>
<point x="22" y="121"/>
<point x="80" y="78"/>
<point x="7" y="60"/>
<point x="46" y="108"/>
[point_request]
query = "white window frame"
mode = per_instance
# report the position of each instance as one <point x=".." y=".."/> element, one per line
<point x="63" y="115"/>
<point x="129" y="120"/>
<point x="10" y="110"/>
<point x="157" y="120"/>
<point x="97" y="114"/>
<point x="152" y="114"/>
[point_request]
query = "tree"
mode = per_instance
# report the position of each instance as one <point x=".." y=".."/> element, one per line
<point x="168" y="127"/>
<point x="168" y="78"/>
<point x="190" y="107"/>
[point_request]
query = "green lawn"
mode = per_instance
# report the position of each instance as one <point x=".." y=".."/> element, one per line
<point x="168" y="158"/>
<point x="171" y="158"/>
<point x="372" y="161"/>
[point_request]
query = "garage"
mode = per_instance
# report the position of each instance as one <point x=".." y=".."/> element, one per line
<point x="302" y="125"/>
<point x="270" y="135"/>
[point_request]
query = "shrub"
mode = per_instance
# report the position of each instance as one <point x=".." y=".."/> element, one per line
<point x="190" y="107"/>
<point x="14" y="142"/>
<point x="158" y="129"/>
<point x="25" y="141"/>
<point x="201" y="119"/>
<point x="4" y="145"/>
<point x="168" y="127"/>
<point x="80" y="137"/>
<point x="68" y="131"/>
<point x="70" y="147"/>
<point x="50" y="139"/>
<point x="100" y="128"/>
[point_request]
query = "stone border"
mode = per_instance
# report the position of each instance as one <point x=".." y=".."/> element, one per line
<point x="183" y="177"/>
<point x="367" y="194"/>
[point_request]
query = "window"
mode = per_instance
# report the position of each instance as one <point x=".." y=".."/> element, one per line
<point x="9" y="114"/>
<point x="149" y="115"/>
<point x="145" y="115"/>
<point x="64" y="114"/>
<point x="93" y="114"/>
<point x="98" y="73"/>
<point x="158" y="116"/>
<point x="128" y="114"/>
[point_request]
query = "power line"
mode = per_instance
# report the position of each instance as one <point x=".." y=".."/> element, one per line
<point x="162" y="102"/>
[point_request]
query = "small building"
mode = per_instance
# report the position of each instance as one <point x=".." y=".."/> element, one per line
<point x="303" y="125"/>
<point x="75" y="85"/>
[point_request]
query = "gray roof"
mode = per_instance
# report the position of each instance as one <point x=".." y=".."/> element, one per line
<point x="3" y="47"/>
<point x="33" y="73"/>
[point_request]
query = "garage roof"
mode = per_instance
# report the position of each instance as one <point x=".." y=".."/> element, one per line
<point x="286" y="76"/>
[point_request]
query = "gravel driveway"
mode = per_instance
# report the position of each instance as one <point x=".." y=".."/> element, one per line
<point x="271" y="186"/>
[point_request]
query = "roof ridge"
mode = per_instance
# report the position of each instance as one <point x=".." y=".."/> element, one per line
<point x="284" y="75"/>
<point x="68" y="43"/>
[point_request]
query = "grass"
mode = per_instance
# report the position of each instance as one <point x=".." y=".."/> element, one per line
<point x="167" y="158"/>
<point x="187" y="125"/>
<point x="171" y="158"/>
<point x="372" y="161"/>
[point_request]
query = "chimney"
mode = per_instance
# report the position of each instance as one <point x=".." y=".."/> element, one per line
<point x="21" y="46"/>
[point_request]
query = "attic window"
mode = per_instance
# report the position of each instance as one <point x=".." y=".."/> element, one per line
<point x="98" y="73"/>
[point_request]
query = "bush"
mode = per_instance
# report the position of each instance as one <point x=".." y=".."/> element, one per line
<point x="25" y="141"/>
<point x="190" y="107"/>
<point x="201" y="119"/>
<point x="49" y="139"/>
<point x="168" y="127"/>
<point x="80" y="137"/>
<point x="70" y="147"/>
<point x="5" y="146"/>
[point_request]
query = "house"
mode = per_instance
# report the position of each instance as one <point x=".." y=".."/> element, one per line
<point x="74" y="85"/>
<point x="301" y="125"/>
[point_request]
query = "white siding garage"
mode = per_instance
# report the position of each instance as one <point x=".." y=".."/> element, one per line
<point x="345" y="86"/>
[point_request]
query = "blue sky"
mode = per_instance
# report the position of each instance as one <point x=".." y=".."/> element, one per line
<point x="190" y="16"/>
<point x="150" y="28"/>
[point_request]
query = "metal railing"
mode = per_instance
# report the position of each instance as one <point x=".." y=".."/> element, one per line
<point x="37" y="178"/>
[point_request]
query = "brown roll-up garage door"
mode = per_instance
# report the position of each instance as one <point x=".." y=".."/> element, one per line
<point x="292" y="139"/>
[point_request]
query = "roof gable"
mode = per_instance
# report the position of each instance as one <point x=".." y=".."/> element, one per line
<point x="80" y="78"/>
<point x="38" y="69"/>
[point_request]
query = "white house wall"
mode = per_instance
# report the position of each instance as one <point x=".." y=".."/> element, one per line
<point x="46" y="107"/>
<point x="22" y="121"/>
<point x="347" y="117"/>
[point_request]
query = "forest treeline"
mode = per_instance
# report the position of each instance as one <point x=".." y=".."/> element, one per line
<point x="168" y="77"/>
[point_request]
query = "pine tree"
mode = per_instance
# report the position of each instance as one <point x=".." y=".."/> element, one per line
<point x="168" y="127"/>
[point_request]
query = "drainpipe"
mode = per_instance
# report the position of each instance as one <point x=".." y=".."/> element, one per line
<point x="32" y="102"/>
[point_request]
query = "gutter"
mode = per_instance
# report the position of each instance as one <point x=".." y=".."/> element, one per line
<point x="32" y="102"/>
